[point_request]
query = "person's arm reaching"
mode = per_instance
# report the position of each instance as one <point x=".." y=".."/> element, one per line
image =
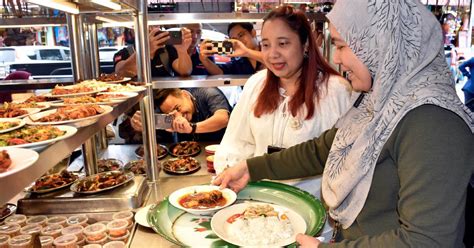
<point x="183" y="65"/>
<point x="128" y="67"/>
<point x="204" y="54"/>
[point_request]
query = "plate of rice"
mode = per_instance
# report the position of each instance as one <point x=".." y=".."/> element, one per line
<point x="258" y="224"/>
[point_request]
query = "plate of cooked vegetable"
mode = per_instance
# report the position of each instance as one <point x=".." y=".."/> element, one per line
<point x="35" y="136"/>
<point x="10" y="124"/>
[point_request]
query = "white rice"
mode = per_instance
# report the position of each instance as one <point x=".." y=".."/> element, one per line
<point x="261" y="230"/>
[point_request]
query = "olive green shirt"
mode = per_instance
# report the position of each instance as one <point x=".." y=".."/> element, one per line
<point x="418" y="192"/>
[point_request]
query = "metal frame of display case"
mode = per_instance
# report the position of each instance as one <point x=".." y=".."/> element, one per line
<point x="56" y="152"/>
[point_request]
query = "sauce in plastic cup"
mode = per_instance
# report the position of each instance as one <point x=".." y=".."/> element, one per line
<point x="77" y="220"/>
<point x="19" y="219"/>
<point x="31" y="229"/>
<point x="124" y="215"/>
<point x="123" y="238"/>
<point x="117" y="228"/>
<point x="75" y="230"/>
<point x="39" y="219"/>
<point x="60" y="220"/>
<point x="52" y="230"/>
<point x="65" y="241"/>
<point x="4" y="240"/>
<point x="95" y="232"/>
<point x="99" y="242"/>
<point x="21" y="241"/>
<point x="46" y="241"/>
<point x="114" y="244"/>
<point x="10" y="229"/>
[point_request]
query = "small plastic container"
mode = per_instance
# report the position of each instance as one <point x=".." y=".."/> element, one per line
<point x="10" y="229"/>
<point x="74" y="230"/>
<point x="60" y="220"/>
<point x="19" y="219"/>
<point x="21" y="241"/>
<point x="210" y="164"/>
<point x="31" y="229"/>
<point x="95" y="232"/>
<point x="81" y="242"/>
<point x="39" y="219"/>
<point x="92" y="246"/>
<point x="77" y="220"/>
<point x="117" y="228"/>
<point x="98" y="242"/>
<point x="52" y="230"/>
<point x="124" y="215"/>
<point x="4" y="240"/>
<point x="105" y="222"/>
<point x="114" y="244"/>
<point x="123" y="238"/>
<point x="46" y="241"/>
<point x="65" y="241"/>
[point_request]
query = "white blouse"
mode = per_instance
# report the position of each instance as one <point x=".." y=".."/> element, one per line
<point x="247" y="136"/>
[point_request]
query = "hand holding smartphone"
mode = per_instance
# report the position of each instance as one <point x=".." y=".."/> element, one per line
<point x="175" y="37"/>
<point x="163" y="121"/>
<point x="221" y="47"/>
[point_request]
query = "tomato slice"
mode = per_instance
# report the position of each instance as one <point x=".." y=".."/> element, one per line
<point x="16" y="141"/>
<point x="233" y="218"/>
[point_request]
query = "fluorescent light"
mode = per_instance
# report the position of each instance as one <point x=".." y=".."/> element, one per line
<point x="117" y="24"/>
<point x="107" y="3"/>
<point x="31" y="25"/>
<point x="186" y="21"/>
<point x="58" y="4"/>
<point x="105" y="19"/>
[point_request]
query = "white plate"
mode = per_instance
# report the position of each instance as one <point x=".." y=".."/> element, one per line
<point x="140" y="216"/>
<point x="40" y="105"/>
<point x="82" y="122"/>
<point x="222" y="228"/>
<point x="21" y="122"/>
<point x="125" y="88"/>
<point x="70" y="131"/>
<point x="21" y="159"/>
<point x="30" y="112"/>
<point x="74" y="94"/>
<point x="125" y="94"/>
<point x="174" y="198"/>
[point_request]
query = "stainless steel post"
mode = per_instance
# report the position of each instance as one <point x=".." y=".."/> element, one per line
<point x="73" y="26"/>
<point x="94" y="50"/>
<point x="146" y="105"/>
<point x="89" y="153"/>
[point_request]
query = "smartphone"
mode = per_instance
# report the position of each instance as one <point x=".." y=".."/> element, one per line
<point x="272" y="149"/>
<point x="222" y="47"/>
<point x="176" y="37"/>
<point x="163" y="121"/>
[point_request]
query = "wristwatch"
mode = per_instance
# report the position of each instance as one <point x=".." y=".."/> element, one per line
<point x="193" y="126"/>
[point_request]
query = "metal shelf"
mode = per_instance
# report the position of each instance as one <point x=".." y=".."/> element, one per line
<point x="199" y="81"/>
<point x="13" y="184"/>
<point x="34" y="84"/>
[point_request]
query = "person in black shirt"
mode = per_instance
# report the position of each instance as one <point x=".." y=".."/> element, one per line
<point x="177" y="57"/>
<point x="200" y="114"/>
<point x="193" y="50"/>
<point x="246" y="58"/>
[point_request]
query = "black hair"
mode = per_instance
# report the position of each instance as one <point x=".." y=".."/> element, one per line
<point x="245" y="25"/>
<point x="162" y="94"/>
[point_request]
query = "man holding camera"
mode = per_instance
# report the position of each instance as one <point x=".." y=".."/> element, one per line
<point x="198" y="114"/>
<point x="245" y="51"/>
<point x="166" y="59"/>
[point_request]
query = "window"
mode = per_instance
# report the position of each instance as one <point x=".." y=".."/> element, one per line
<point x="50" y="54"/>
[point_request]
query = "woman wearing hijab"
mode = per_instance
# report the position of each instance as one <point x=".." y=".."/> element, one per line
<point x="297" y="98"/>
<point x="396" y="167"/>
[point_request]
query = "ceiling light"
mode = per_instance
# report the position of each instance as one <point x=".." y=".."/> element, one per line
<point x="107" y="3"/>
<point x="58" y="4"/>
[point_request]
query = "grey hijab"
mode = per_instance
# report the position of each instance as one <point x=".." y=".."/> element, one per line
<point x="401" y="44"/>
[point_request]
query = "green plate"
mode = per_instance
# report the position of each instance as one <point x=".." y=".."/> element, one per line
<point x="178" y="227"/>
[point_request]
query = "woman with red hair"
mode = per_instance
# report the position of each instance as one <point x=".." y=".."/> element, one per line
<point x="295" y="99"/>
